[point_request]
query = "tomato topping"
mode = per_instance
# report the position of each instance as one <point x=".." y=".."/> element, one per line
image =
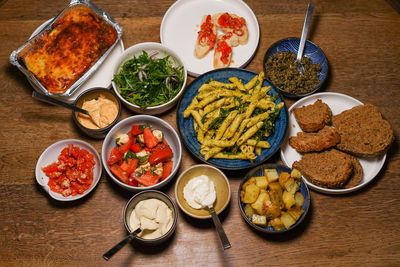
<point x="121" y="175"/>
<point x="160" y="156"/>
<point x="136" y="147"/>
<point x="125" y="147"/>
<point x="129" y="165"/>
<point x="167" y="169"/>
<point x="72" y="174"/>
<point x="136" y="130"/>
<point x="206" y="35"/>
<point x="115" y="156"/>
<point x="147" y="178"/>
<point x="225" y="50"/>
<point x="149" y="139"/>
<point x="236" y="24"/>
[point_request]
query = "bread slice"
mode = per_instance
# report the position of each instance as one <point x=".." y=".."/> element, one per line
<point x="314" y="117"/>
<point x="357" y="174"/>
<point x="222" y="53"/>
<point x="223" y="21"/>
<point x="363" y="132"/>
<point x="206" y="37"/>
<point x="308" y="142"/>
<point x="330" y="168"/>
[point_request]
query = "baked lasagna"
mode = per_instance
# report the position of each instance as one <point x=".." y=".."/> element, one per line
<point x="68" y="49"/>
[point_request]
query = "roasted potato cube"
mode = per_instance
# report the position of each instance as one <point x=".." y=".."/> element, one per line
<point x="283" y="178"/>
<point x="271" y="174"/>
<point x="288" y="199"/>
<point x="295" y="212"/>
<point x="251" y="193"/>
<point x="275" y="193"/>
<point x="299" y="199"/>
<point x="271" y="210"/>
<point x="249" y="211"/>
<point x="292" y="185"/>
<point x="252" y="180"/>
<point x="259" y="220"/>
<point x="277" y="224"/>
<point x="287" y="219"/>
<point x="258" y="204"/>
<point x="295" y="174"/>
<point x="261" y="182"/>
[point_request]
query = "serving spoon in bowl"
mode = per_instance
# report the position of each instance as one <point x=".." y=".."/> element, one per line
<point x="307" y="20"/>
<point x="121" y="244"/>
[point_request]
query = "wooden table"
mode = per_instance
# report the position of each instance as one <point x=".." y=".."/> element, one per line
<point x="361" y="41"/>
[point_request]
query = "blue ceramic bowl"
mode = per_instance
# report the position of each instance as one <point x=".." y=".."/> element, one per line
<point x="187" y="133"/>
<point x="259" y="171"/>
<point x="311" y="50"/>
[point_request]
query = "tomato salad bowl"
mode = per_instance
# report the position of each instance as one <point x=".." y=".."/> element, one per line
<point x="141" y="152"/>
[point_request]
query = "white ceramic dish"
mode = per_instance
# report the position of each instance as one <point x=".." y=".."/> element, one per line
<point x="125" y="126"/>
<point x="338" y="103"/>
<point x="163" y="51"/>
<point x="182" y="21"/>
<point x="103" y="75"/>
<point x="51" y="154"/>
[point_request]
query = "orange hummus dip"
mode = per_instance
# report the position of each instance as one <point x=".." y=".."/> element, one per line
<point x="102" y="111"/>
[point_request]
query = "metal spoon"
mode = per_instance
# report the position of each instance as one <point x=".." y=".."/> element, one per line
<point x="222" y="236"/>
<point x="299" y="65"/>
<point x="118" y="246"/>
<point x="57" y="102"/>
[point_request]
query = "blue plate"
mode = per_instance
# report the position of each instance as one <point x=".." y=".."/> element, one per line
<point x="311" y="50"/>
<point x="187" y="133"/>
<point x="259" y="171"/>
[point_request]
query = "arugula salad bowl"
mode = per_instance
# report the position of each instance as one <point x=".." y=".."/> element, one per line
<point x="149" y="78"/>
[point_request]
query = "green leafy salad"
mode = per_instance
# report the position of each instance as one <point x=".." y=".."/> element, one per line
<point x="148" y="81"/>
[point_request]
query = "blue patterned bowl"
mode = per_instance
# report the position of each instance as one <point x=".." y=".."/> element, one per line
<point x="187" y="133"/>
<point x="259" y="171"/>
<point x="311" y="50"/>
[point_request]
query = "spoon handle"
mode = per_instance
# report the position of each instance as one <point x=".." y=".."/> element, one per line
<point x="310" y="9"/>
<point x="224" y="239"/>
<point x="54" y="101"/>
<point x="118" y="246"/>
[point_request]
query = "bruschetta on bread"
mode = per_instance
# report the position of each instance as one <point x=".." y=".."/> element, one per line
<point x="231" y="23"/>
<point x="206" y="37"/>
<point x="222" y="52"/>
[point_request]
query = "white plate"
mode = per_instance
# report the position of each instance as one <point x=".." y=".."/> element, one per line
<point x="51" y="154"/>
<point x="338" y="103"/>
<point x="103" y="75"/>
<point x="182" y="21"/>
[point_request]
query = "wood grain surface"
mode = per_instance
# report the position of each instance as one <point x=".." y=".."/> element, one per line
<point x="361" y="40"/>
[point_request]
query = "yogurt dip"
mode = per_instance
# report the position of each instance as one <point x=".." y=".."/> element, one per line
<point x="153" y="216"/>
<point x="199" y="192"/>
<point x="102" y="110"/>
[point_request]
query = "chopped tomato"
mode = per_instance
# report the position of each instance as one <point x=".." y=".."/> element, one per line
<point x="129" y="166"/>
<point x="167" y="169"/>
<point x="125" y="147"/>
<point x="115" y="156"/>
<point x="160" y="156"/>
<point x="136" y="130"/>
<point x="147" y="178"/>
<point x="149" y="139"/>
<point x="136" y="147"/>
<point x="121" y="175"/>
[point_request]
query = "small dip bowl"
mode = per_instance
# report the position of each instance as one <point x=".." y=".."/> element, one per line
<point x="147" y="195"/>
<point x="91" y="94"/>
<point x="311" y="51"/>
<point x="221" y="184"/>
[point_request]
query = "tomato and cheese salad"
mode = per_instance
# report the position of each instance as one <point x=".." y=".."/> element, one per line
<point x="141" y="157"/>
<point x="72" y="174"/>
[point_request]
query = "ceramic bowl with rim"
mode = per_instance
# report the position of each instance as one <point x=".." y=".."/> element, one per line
<point x="124" y="127"/>
<point x="311" y="51"/>
<point x="50" y="156"/>
<point x="91" y="94"/>
<point x="221" y="184"/>
<point x="148" y="195"/>
<point x="259" y="171"/>
<point x="151" y="48"/>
